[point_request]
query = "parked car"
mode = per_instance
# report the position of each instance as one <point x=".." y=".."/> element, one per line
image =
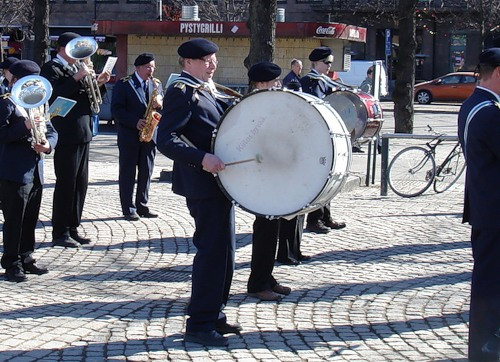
<point x="450" y="87"/>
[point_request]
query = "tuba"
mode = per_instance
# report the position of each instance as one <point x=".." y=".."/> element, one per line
<point x="81" y="49"/>
<point x="151" y="116"/>
<point x="32" y="93"/>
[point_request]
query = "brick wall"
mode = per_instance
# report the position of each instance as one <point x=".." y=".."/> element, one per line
<point x="231" y="55"/>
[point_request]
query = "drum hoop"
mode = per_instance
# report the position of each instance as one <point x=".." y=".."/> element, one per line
<point x="219" y="182"/>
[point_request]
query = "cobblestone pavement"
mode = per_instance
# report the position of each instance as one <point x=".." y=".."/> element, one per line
<point x="393" y="285"/>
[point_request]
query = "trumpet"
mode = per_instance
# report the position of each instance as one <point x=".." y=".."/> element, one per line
<point x="81" y="49"/>
<point x="32" y="93"/>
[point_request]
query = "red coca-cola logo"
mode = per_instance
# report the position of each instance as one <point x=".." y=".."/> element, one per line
<point x="328" y="30"/>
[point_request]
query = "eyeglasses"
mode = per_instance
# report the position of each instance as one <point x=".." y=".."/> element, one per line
<point x="210" y="61"/>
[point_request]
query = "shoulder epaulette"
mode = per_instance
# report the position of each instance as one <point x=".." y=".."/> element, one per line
<point x="126" y="79"/>
<point x="5" y="96"/>
<point x="180" y="85"/>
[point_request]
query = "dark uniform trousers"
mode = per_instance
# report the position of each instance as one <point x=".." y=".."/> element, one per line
<point x="290" y="236"/>
<point x="140" y="156"/>
<point x="322" y="214"/>
<point x="21" y="205"/>
<point x="484" y="318"/>
<point x="213" y="263"/>
<point x="72" y="173"/>
<point x="264" y="242"/>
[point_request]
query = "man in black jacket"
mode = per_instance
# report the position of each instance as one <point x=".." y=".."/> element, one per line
<point x="21" y="178"/>
<point x="131" y="97"/>
<point x="479" y="132"/>
<point x="318" y="84"/>
<point x="72" y="152"/>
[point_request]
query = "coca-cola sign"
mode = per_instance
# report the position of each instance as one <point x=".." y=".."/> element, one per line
<point x="327" y="30"/>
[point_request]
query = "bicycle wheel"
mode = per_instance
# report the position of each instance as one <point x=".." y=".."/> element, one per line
<point x="411" y="171"/>
<point x="449" y="172"/>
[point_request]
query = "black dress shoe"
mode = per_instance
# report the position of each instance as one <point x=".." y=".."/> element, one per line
<point x="281" y="289"/>
<point x="206" y="338"/>
<point x="357" y="149"/>
<point x="304" y="258"/>
<point x="288" y="261"/>
<point x="148" y="215"/>
<point x="131" y="217"/>
<point x="65" y="241"/>
<point x="226" y="328"/>
<point x="80" y="239"/>
<point x="334" y="224"/>
<point x="32" y="268"/>
<point x="318" y="228"/>
<point x="15" y="274"/>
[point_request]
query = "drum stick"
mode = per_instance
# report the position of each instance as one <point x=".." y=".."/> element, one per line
<point x="257" y="158"/>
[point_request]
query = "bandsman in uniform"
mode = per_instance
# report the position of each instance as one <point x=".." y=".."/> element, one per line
<point x="317" y="83"/>
<point x="191" y="110"/>
<point x="21" y="179"/>
<point x="71" y="157"/>
<point x="479" y="133"/>
<point x="261" y="283"/>
<point x="132" y="95"/>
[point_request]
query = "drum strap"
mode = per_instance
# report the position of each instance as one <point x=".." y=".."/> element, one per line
<point x="471" y="115"/>
<point x="328" y="81"/>
<point x="202" y="86"/>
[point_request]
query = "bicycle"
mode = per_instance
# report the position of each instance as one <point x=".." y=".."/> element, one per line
<point x="413" y="169"/>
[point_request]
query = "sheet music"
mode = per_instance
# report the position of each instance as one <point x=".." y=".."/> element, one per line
<point x="110" y="64"/>
<point x="61" y="106"/>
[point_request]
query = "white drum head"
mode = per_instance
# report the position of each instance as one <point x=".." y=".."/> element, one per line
<point x="292" y="145"/>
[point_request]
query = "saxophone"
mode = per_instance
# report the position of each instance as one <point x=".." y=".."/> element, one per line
<point x="151" y="116"/>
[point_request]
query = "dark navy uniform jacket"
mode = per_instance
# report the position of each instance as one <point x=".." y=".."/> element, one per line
<point x="481" y="145"/>
<point x="17" y="159"/>
<point x="189" y="116"/>
<point x="292" y="81"/>
<point x="128" y="106"/>
<point x="315" y="86"/>
<point x="76" y="127"/>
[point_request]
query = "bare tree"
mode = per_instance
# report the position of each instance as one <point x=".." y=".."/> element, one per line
<point x="14" y="13"/>
<point x="405" y="69"/>
<point x="262" y="25"/>
<point x="41" y="30"/>
<point x="208" y="10"/>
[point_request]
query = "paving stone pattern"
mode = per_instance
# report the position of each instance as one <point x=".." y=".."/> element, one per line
<point x="392" y="286"/>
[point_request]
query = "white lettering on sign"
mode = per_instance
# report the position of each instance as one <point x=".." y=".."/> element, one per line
<point x="329" y="30"/>
<point x="203" y="28"/>
<point x="354" y="33"/>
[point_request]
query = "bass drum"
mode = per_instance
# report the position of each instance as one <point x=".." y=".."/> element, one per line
<point x="361" y="113"/>
<point x="299" y="148"/>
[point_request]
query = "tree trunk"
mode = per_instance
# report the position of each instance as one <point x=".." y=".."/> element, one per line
<point x="262" y="25"/>
<point x="41" y="30"/>
<point x="405" y="69"/>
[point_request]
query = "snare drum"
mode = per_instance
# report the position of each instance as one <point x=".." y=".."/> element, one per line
<point x="300" y="147"/>
<point x="361" y="113"/>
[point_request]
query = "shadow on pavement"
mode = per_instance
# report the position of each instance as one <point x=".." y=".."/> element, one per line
<point x="285" y="340"/>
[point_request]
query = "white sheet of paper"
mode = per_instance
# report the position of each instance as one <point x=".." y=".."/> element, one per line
<point x="110" y="64"/>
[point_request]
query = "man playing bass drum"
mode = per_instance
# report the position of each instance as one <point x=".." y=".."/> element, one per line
<point x="135" y="101"/>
